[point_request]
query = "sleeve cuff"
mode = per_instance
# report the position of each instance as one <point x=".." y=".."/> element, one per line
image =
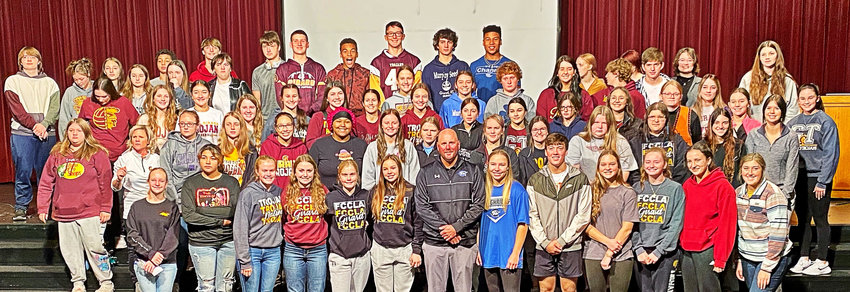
<point x="821" y="185"/>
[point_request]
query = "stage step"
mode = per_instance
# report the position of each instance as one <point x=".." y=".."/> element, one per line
<point x="53" y="278"/>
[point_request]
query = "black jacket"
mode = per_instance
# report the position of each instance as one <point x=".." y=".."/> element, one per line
<point x="452" y="196"/>
<point x="237" y="89"/>
<point x="424" y="158"/>
<point x="530" y="162"/>
<point x="479" y="158"/>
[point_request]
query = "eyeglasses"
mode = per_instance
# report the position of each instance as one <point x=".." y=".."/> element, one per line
<point x="186" y="125"/>
<point x="566" y="107"/>
<point x="538" y="130"/>
<point x="395" y="34"/>
<point x="671" y="94"/>
<point x="284" y="126"/>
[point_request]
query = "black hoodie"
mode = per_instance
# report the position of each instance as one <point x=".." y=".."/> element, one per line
<point x="399" y="229"/>
<point x="675" y="146"/>
<point x="347" y="217"/>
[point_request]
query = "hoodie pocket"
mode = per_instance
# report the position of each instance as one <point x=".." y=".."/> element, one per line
<point x="692" y="237"/>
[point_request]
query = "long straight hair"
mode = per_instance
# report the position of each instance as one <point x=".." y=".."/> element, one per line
<point x="600" y="184"/>
<point x="242" y="144"/>
<point x="90" y="145"/>
<point x="127" y="89"/>
<point x="490" y="182"/>
<point x="610" y="139"/>
<point x="718" y="98"/>
<point x="555" y="82"/>
<point x="317" y="190"/>
<point x="258" y="122"/>
<point x="398" y="188"/>
<point x="381" y="142"/>
<point x="728" y="142"/>
<point x="301" y="118"/>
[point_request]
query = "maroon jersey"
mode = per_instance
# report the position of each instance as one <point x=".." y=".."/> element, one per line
<point x="385" y="66"/>
<point x="410" y="125"/>
<point x="516" y="139"/>
<point x="310" y="79"/>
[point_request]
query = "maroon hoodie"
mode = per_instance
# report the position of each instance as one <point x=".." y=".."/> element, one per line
<point x="310" y="78"/>
<point x="284" y="156"/>
<point x="304" y="227"/>
<point x="710" y="216"/>
<point x="75" y="188"/>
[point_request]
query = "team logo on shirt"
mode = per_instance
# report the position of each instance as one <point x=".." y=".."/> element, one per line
<point x="284" y="166"/>
<point x="70" y="170"/>
<point x="78" y="103"/>
<point x="105" y="117"/>
<point x="805" y="135"/>
<point x="350" y="215"/>
<point x="667" y="146"/>
<point x="651" y="207"/>
<point x="497" y="209"/>
<point x="302" y="79"/>
<point x="164" y="214"/>
<point x="462" y="173"/>
<point x="388" y="215"/>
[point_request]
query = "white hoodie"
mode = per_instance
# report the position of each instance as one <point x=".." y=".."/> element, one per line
<point x="135" y="183"/>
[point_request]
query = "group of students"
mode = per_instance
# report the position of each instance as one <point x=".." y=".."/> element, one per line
<point x="383" y="170"/>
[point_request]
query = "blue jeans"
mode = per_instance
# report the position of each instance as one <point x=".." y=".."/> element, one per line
<point x="306" y="268"/>
<point x="265" y="263"/>
<point x="162" y="282"/>
<point x="214" y="266"/>
<point x="751" y="270"/>
<point x="28" y="153"/>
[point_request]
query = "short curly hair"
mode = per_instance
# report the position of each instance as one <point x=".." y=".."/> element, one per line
<point x="509" y="67"/>
<point x="620" y="67"/>
<point x="445" y="33"/>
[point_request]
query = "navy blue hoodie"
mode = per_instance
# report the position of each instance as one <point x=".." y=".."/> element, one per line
<point x="440" y="78"/>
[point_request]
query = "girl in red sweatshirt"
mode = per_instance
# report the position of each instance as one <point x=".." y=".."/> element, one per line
<point x="305" y="255"/>
<point x="709" y="222"/>
<point x="283" y="147"/>
<point x="74" y="190"/>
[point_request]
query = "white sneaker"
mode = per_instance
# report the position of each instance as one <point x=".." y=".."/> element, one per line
<point x="121" y="244"/>
<point x="801" y="265"/>
<point x="79" y="288"/>
<point x="819" y="267"/>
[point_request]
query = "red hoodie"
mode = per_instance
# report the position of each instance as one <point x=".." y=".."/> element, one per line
<point x="547" y="104"/>
<point x="304" y="226"/>
<point x="284" y="156"/>
<point x="710" y="218"/>
<point x="410" y="124"/>
<point x="201" y="73"/>
<point x="75" y="188"/>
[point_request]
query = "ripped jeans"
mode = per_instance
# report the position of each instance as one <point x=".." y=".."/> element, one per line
<point x="214" y="266"/>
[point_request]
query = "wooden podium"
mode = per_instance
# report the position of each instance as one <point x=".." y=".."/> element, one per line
<point x="837" y="106"/>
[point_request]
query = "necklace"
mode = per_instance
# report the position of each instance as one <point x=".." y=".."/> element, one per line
<point x="653" y="188"/>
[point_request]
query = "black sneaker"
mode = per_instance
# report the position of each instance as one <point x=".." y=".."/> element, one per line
<point x="20" y="215"/>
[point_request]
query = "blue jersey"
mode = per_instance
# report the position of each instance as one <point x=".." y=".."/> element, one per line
<point x="499" y="224"/>
<point x="485" y="76"/>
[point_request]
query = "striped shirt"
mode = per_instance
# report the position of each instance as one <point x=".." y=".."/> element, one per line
<point x="763" y="224"/>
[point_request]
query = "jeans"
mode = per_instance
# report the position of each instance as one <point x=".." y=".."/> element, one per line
<point x="751" y="270"/>
<point x="162" y="282"/>
<point x="306" y="268"/>
<point x="265" y="263"/>
<point x="214" y="266"/>
<point x="28" y="153"/>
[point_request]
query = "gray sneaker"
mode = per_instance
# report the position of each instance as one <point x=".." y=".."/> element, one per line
<point x="20" y="215"/>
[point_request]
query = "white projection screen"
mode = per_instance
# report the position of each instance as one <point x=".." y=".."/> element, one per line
<point x="529" y="30"/>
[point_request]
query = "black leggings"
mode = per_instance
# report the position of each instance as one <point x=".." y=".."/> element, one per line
<point x="808" y="207"/>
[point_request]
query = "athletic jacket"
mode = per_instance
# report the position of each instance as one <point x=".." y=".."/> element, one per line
<point x="356" y="81"/>
<point x="454" y="196"/>
<point x="559" y="214"/>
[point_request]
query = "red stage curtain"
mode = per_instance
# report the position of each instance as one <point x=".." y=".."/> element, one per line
<point x="814" y="34"/>
<point x="132" y="31"/>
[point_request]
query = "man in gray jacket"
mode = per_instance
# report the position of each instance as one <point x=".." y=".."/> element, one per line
<point x="449" y="199"/>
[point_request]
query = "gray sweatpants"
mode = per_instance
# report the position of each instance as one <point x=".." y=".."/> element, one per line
<point x="391" y="268"/>
<point x="349" y="274"/>
<point x="81" y="240"/>
<point x="697" y="272"/>
<point x="442" y="260"/>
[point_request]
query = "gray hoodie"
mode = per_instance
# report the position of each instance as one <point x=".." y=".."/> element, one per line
<point x="257" y="220"/>
<point x="661" y="208"/>
<point x="782" y="157"/>
<point x="69" y="107"/>
<point x="179" y="158"/>
<point x="498" y="104"/>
